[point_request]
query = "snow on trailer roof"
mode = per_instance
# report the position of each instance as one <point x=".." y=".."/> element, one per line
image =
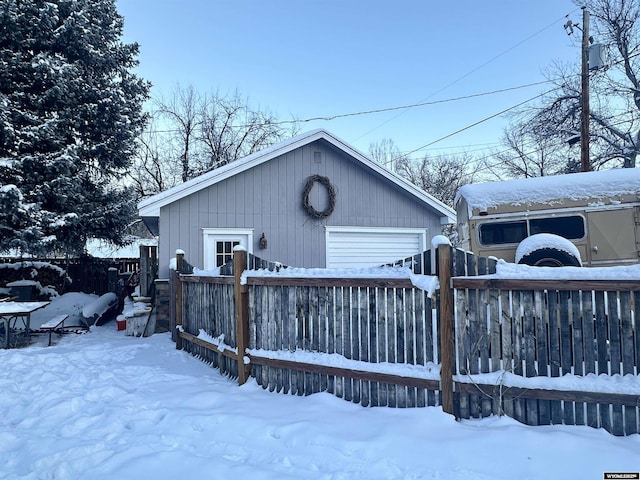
<point x="552" y="189"/>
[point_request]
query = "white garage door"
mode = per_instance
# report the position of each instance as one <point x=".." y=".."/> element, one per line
<point x="353" y="247"/>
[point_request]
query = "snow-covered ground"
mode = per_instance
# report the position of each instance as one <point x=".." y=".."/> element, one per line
<point x="108" y="406"/>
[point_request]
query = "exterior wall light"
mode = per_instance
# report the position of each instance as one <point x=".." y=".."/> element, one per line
<point x="262" y="243"/>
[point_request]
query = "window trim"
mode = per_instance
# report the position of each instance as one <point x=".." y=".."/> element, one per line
<point x="527" y="221"/>
<point x="211" y="235"/>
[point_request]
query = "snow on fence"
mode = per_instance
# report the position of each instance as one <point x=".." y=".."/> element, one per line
<point x="209" y="308"/>
<point x="478" y="346"/>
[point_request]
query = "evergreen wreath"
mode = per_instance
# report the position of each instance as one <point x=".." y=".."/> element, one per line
<point x="332" y="196"/>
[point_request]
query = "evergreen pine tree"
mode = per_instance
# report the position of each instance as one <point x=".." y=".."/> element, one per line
<point x="70" y="110"/>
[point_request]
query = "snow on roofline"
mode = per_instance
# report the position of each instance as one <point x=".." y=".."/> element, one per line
<point x="150" y="207"/>
<point x="552" y="189"/>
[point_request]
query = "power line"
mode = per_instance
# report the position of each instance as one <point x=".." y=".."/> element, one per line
<point x="424" y="103"/>
<point x="387" y="109"/>
<point x="510" y="108"/>
<point x="481" y="121"/>
<point x="413" y="105"/>
<point x="530" y="152"/>
<point x="477" y="95"/>
<point x="464" y="148"/>
<point x="475" y="69"/>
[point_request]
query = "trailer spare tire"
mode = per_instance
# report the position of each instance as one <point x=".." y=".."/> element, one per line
<point x="548" y="250"/>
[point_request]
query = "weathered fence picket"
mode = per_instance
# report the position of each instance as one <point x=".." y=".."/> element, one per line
<point x="617" y="425"/>
<point x="578" y="348"/>
<point x="588" y="329"/>
<point x="601" y="353"/>
<point x="627" y="337"/>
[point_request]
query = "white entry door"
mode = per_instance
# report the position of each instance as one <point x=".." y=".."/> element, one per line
<point x="353" y="247"/>
<point x="220" y="242"/>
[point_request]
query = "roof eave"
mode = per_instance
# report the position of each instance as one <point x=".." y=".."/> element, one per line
<point x="151" y="206"/>
<point x="447" y="214"/>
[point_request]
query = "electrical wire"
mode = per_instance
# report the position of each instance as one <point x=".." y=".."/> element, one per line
<point x="481" y="121"/>
<point x="475" y="69"/>
<point x="530" y="152"/>
<point x="387" y="109"/>
<point x="464" y="148"/>
<point x="511" y="108"/>
<point x="426" y="103"/>
<point x="413" y="105"/>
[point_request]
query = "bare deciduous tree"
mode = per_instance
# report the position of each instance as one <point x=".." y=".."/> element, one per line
<point x="614" y="95"/>
<point x="151" y="173"/>
<point x="231" y="130"/>
<point x="182" y="111"/>
<point x="385" y="152"/>
<point x="440" y="176"/>
<point x="192" y="133"/>
<point x="529" y="153"/>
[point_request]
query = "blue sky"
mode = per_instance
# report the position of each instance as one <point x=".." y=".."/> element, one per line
<point x="305" y="58"/>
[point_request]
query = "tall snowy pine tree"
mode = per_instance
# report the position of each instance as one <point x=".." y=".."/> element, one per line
<point x="70" y="110"/>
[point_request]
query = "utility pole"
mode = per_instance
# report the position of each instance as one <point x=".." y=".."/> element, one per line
<point x="585" y="163"/>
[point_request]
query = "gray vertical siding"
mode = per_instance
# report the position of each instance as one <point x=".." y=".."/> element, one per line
<point x="268" y="198"/>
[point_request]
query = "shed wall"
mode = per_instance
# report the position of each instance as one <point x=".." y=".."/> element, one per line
<point x="268" y="198"/>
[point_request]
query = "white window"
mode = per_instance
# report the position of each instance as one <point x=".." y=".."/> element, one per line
<point x="353" y="247"/>
<point x="219" y="244"/>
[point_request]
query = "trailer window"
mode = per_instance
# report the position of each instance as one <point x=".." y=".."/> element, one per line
<point x="503" y="232"/>
<point x="568" y="227"/>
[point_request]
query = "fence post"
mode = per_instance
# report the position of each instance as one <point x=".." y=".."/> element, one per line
<point x="242" y="314"/>
<point x="446" y="326"/>
<point x="144" y="270"/>
<point x="148" y="269"/>
<point x="178" y="285"/>
<point x="112" y="279"/>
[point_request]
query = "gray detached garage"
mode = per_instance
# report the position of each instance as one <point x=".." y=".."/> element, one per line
<point x="310" y="201"/>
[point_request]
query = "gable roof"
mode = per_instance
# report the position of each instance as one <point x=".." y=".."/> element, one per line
<point x="150" y="207"/>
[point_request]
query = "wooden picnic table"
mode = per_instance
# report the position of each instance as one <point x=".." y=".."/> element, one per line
<point x="16" y="317"/>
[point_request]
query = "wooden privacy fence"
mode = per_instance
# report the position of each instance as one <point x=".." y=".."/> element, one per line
<point x="365" y="321"/>
<point x="543" y="328"/>
<point x="87" y="274"/>
<point x="382" y="341"/>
